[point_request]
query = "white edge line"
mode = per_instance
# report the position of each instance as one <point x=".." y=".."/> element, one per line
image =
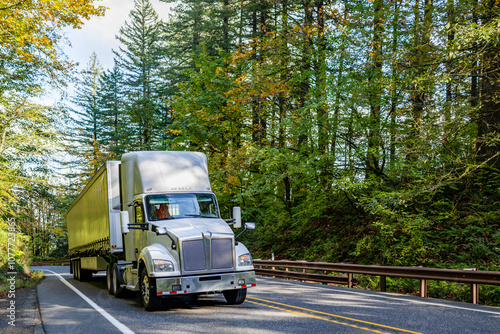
<point x="393" y="298"/>
<point x="124" y="329"/>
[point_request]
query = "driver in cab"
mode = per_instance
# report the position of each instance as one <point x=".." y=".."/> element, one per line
<point x="162" y="211"/>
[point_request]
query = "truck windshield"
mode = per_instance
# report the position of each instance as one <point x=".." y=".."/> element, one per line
<point x="171" y="206"/>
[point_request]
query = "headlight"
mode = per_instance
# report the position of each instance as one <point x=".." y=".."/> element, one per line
<point x="163" y="265"/>
<point x="244" y="260"/>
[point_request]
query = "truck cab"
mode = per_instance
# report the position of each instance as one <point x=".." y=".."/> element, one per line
<point x="153" y="223"/>
<point x="181" y="245"/>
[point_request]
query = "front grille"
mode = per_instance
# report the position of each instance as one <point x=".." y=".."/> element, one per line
<point x="222" y="253"/>
<point x="193" y="254"/>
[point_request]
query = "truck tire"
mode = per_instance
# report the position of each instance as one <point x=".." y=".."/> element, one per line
<point x="149" y="298"/>
<point x="82" y="275"/>
<point x="77" y="270"/>
<point x="109" y="279"/>
<point x="73" y="268"/>
<point x="235" y="297"/>
<point x="118" y="291"/>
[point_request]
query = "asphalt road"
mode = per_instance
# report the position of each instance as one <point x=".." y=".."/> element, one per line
<point x="274" y="306"/>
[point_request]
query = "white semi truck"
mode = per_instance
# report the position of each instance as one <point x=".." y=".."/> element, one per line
<point x="152" y="222"/>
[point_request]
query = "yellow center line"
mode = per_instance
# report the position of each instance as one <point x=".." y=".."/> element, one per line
<point x="316" y="317"/>
<point x="328" y="314"/>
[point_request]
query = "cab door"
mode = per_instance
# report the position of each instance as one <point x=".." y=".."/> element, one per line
<point x="140" y="235"/>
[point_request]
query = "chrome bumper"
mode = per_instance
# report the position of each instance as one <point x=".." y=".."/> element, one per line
<point x="205" y="283"/>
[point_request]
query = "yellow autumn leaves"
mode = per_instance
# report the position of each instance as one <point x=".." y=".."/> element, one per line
<point x="31" y="31"/>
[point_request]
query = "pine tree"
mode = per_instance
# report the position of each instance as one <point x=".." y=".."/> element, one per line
<point x="89" y="119"/>
<point x="112" y="106"/>
<point x="142" y="59"/>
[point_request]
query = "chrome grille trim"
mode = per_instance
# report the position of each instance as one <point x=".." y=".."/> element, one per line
<point x="193" y="255"/>
<point x="222" y="253"/>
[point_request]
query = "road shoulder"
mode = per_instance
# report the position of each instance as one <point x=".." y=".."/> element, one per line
<point x="20" y="312"/>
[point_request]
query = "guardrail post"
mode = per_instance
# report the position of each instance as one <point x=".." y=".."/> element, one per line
<point x="423" y="288"/>
<point x="350" y="279"/>
<point x="324" y="273"/>
<point x="474" y="290"/>
<point x="383" y="284"/>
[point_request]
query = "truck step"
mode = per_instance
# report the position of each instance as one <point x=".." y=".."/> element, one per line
<point x="132" y="287"/>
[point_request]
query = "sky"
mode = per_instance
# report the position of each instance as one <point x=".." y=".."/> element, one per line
<point x="98" y="34"/>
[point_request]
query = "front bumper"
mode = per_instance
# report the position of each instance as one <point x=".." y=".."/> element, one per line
<point x="205" y="283"/>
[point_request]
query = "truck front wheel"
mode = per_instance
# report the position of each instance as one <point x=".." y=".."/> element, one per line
<point x="148" y="292"/>
<point x="235" y="297"/>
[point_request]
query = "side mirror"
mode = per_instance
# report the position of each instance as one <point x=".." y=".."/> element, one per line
<point x="161" y="230"/>
<point x="237" y="217"/>
<point x="249" y="226"/>
<point x="124" y="220"/>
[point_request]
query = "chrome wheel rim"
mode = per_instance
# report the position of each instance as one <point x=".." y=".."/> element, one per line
<point x="145" y="289"/>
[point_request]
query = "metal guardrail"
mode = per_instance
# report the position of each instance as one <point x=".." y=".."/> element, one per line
<point x="48" y="263"/>
<point x="471" y="276"/>
<point x="466" y="276"/>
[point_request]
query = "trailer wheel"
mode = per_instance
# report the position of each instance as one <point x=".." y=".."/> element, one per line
<point x="235" y="297"/>
<point x="148" y="292"/>
<point x="73" y="268"/>
<point x="109" y="279"/>
<point x="118" y="291"/>
<point x="78" y="270"/>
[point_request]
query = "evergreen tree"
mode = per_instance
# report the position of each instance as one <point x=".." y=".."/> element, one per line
<point x="142" y="59"/>
<point x="112" y="106"/>
<point x="88" y="130"/>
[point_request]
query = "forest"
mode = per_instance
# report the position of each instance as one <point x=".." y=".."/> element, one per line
<point x="348" y="131"/>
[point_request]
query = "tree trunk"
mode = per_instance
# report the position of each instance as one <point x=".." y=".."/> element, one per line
<point x="489" y="113"/>
<point x="375" y="94"/>
<point x="421" y="47"/>
<point x="394" y="96"/>
<point x="303" y="87"/>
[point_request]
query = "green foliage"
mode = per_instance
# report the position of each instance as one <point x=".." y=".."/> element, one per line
<point x="30" y="37"/>
<point x="13" y="244"/>
<point x="15" y="257"/>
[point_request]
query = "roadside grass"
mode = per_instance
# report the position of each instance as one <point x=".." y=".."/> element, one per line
<point x="24" y="278"/>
